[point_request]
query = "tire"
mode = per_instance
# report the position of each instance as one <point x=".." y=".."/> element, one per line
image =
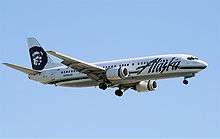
<point x="185" y="82"/>
<point x="103" y="86"/>
<point x="118" y="93"/>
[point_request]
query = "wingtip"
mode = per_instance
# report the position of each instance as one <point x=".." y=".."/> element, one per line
<point x="50" y="52"/>
<point x="5" y="63"/>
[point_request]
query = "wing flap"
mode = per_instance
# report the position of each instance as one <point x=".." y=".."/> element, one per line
<point x="22" y="69"/>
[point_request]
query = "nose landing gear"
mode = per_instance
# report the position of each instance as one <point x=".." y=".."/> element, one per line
<point x="186" y="82"/>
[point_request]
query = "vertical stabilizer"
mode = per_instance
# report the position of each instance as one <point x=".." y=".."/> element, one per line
<point x="39" y="58"/>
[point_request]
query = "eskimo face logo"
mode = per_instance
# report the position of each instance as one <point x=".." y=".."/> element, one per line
<point x="38" y="57"/>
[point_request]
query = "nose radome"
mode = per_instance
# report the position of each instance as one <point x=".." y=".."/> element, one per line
<point x="203" y="64"/>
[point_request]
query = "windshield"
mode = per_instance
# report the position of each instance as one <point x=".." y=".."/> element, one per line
<point x="192" y="58"/>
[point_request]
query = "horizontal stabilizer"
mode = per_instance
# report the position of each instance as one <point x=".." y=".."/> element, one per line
<point x="22" y="69"/>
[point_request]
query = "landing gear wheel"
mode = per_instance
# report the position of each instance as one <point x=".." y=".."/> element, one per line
<point x="185" y="82"/>
<point x="103" y="86"/>
<point x="118" y="93"/>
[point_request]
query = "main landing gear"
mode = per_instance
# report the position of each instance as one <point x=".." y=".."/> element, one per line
<point x="119" y="93"/>
<point x="103" y="86"/>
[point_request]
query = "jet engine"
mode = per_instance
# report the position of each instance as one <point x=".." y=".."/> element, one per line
<point x="145" y="86"/>
<point x="117" y="73"/>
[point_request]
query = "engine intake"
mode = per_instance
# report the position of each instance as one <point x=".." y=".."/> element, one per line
<point x="145" y="86"/>
<point x="117" y="73"/>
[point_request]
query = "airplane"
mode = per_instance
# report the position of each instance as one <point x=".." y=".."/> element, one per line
<point x="139" y="74"/>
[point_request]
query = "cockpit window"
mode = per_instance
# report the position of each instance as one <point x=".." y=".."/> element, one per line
<point x="192" y="58"/>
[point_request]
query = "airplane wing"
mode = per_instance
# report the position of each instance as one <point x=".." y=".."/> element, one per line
<point x="93" y="71"/>
<point x="22" y="69"/>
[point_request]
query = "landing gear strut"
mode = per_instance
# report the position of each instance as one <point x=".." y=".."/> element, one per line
<point x="103" y="86"/>
<point x="118" y="93"/>
<point x="185" y="81"/>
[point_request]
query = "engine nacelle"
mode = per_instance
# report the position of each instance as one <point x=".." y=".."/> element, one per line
<point x="117" y="73"/>
<point x="145" y="86"/>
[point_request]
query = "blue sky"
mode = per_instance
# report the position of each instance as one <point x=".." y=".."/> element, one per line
<point x="106" y="30"/>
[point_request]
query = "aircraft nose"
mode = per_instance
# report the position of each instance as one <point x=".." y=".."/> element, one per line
<point x="203" y="64"/>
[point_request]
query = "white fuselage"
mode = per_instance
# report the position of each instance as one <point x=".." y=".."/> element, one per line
<point x="140" y="69"/>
